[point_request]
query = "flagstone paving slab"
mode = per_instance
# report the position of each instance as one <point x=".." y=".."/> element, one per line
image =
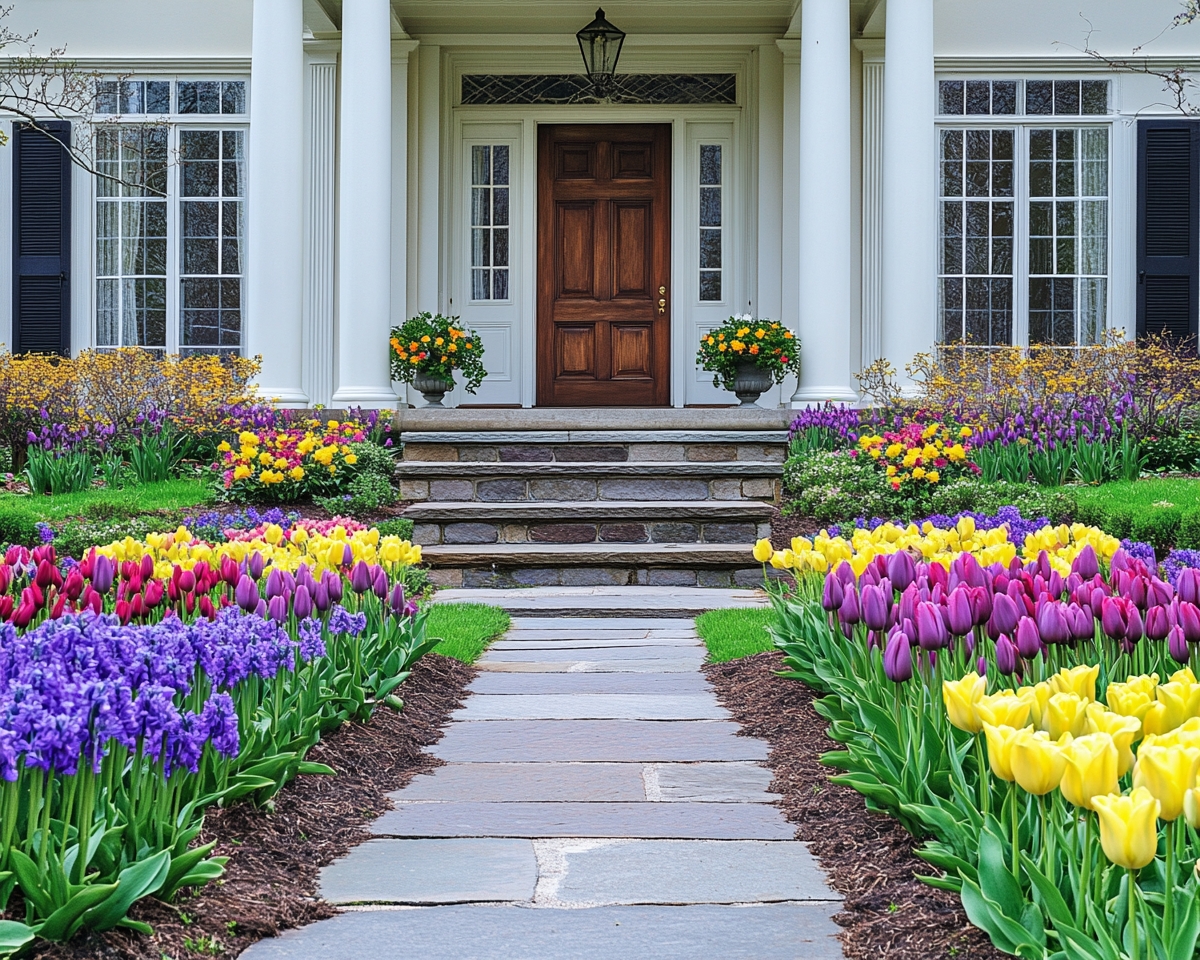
<point x="623" y="635"/>
<point x="666" y="665"/>
<point x="689" y="821"/>
<point x="711" y="782"/>
<point x="604" y="602"/>
<point x="690" y="871"/>
<point x="589" y="706"/>
<point x="550" y="642"/>
<point x="433" y="871"/>
<point x="784" y="931"/>
<point x="499" y="782"/>
<point x="498" y="741"/>
<point x="519" y="684"/>
<point x="605" y="623"/>
<point x="646" y="651"/>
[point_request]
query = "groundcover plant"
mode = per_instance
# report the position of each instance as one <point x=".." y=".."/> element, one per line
<point x="1031" y="710"/>
<point x="153" y="679"/>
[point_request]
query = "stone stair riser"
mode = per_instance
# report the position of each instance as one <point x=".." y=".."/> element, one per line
<point x="519" y="489"/>
<point x="621" y="531"/>
<point x="506" y="576"/>
<point x="594" y="453"/>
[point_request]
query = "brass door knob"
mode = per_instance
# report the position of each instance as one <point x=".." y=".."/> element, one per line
<point x="662" y="306"/>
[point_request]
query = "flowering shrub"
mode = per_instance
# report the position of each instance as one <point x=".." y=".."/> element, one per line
<point x="916" y="454"/>
<point x="770" y="345"/>
<point x="916" y="658"/>
<point x="284" y="465"/>
<point x="436" y="346"/>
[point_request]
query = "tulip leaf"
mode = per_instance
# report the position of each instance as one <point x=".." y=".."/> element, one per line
<point x="995" y="877"/>
<point x="949" y="882"/>
<point x="980" y="913"/>
<point x="309" y="766"/>
<point x="62" y="923"/>
<point x="1049" y="894"/>
<point x="14" y="936"/>
<point x="1079" y="946"/>
<point x="1187" y="929"/>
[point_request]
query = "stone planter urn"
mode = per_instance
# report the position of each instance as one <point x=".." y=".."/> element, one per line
<point x="751" y="382"/>
<point x="433" y="389"/>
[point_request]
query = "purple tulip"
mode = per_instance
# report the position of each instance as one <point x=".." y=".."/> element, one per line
<point x="831" y="596"/>
<point x="1160" y="593"/>
<point x="1187" y="584"/>
<point x="1087" y="565"/>
<point x="1113" y="618"/>
<point x="277" y="609"/>
<point x="1054" y="585"/>
<point x="254" y="565"/>
<point x="1006" y="655"/>
<point x="102" y="574"/>
<point x="1052" y="623"/>
<point x="1177" y="645"/>
<point x="845" y="573"/>
<point x="1005" y="613"/>
<point x="981" y="605"/>
<point x="260" y="611"/>
<point x="1029" y="642"/>
<point x="908" y="602"/>
<point x="1189" y="621"/>
<point x="981" y="666"/>
<point x="302" y="605"/>
<point x="1158" y="623"/>
<point x="897" y="658"/>
<point x="1134" y="630"/>
<point x="901" y="570"/>
<point x="360" y="577"/>
<point x="246" y="594"/>
<point x="379" y="583"/>
<point x="347" y="556"/>
<point x="397" y="600"/>
<point x="960" y="618"/>
<point x="875" y="606"/>
<point x="1139" y="592"/>
<point x="333" y="584"/>
<point x="274" y="584"/>
<point x="320" y="597"/>
<point x="931" y="628"/>
<point x="1080" y="622"/>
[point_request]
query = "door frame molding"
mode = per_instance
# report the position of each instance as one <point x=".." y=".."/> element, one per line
<point x="521" y="310"/>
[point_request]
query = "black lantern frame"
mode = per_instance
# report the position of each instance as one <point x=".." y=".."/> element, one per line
<point x="600" y="43"/>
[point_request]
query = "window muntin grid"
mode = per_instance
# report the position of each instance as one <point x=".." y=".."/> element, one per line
<point x="154" y="97"/>
<point x="977" y="233"/>
<point x="711" y="221"/>
<point x="490" y="222"/>
<point x="1068" y="235"/>
<point x="1032" y="98"/>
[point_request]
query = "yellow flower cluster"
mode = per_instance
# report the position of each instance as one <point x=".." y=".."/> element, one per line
<point x="932" y="544"/>
<point x="916" y="452"/>
<point x="272" y="457"/>
<point x="320" y="552"/>
<point x="1056" y="735"/>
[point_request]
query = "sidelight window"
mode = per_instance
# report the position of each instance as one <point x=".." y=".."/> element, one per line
<point x="711" y="221"/>
<point x="490" y="223"/>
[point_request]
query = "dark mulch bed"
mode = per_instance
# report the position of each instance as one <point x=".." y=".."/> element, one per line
<point x="271" y="879"/>
<point x="869" y="858"/>
<point x="783" y="528"/>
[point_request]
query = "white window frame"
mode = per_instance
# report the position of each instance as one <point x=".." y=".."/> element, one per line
<point x="1021" y="123"/>
<point x="175" y="123"/>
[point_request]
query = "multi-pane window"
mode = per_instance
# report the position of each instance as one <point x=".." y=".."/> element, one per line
<point x="211" y="227"/>
<point x="1068" y="235"/>
<point x="131" y="236"/>
<point x="711" y="220"/>
<point x="977" y="236"/>
<point x="489" y="222"/>
<point x="1023" y="212"/>
<point x="153" y="97"/>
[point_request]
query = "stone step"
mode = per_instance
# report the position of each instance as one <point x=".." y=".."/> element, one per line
<point x="593" y="564"/>
<point x="559" y="481"/>
<point x="591" y="418"/>
<point x="609" y="446"/>
<point x="590" y="521"/>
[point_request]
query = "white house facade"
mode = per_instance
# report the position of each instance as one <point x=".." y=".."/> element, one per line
<point x="879" y="175"/>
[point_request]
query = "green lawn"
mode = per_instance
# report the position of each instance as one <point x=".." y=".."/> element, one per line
<point x="465" y="628"/>
<point x="739" y="632"/>
<point x="102" y="503"/>
<point x="1179" y="492"/>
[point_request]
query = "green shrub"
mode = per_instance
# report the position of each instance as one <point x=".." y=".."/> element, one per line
<point x="74" y="537"/>
<point x="1174" y="452"/>
<point x="368" y="492"/>
<point x="18" y="525"/>
<point x="374" y="459"/>
<point x="1032" y="500"/>
<point x="399" y="527"/>
<point x="1159" y="528"/>
<point x="1189" y="531"/>
<point x="834" y="487"/>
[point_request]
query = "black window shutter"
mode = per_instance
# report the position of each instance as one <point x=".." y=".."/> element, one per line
<point x="1168" y="243"/>
<point x="41" y="240"/>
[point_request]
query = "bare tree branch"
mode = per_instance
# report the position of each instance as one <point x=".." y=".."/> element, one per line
<point x="37" y="88"/>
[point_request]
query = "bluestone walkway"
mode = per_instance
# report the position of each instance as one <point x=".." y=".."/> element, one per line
<point x="595" y="803"/>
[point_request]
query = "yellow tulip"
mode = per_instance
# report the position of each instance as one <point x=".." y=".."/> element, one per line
<point x="1000" y="740"/>
<point x="1038" y="697"/>
<point x="1191" y="808"/>
<point x="1128" y="828"/>
<point x="1064" y="713"/>
<point x="763" y="550"/>
<point x="780" y="559"/>
<point x="960" y="697"/>
<point x="1091" y="769"/>
<point x="1037" y="761"/>
<point x="1123" y="730"/>
<point x="1168" y="773"/>
<point x="1004" y="709"/>
<point x="1134" y="698"/>
<point x="1176" y="701"/>
<point x="1080" y="681"/>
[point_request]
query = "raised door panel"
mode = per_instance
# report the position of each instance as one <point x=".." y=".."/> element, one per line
<point x="632" y="349"/>
<point x="575" y="249"/>
<point x="575" y="350"/>
<point x="575" y="161"/>
<point x="631" y="243"/>
<point x="633" y="161"/>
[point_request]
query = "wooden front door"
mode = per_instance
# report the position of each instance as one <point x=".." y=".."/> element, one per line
<point x="604" y="255"/>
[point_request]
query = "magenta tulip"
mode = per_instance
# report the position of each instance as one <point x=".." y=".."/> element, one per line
<point x="1189" y="621"/>
<point x="1113" y="618"/>
<point x="901" y="570"/>
<point x="1187" y="584"/>
<point x="1087" y="565"/>
<point x="1134" y="629"/>
<point x="960" y="618"/>
<point x="1158" y="623"/>
<point x="1177" y="645"/>
<point x="1029" y="642"/>
<point x="1052" y="623"/>
<point x="874" y="608"/>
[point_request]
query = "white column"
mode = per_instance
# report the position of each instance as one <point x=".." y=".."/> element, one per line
<point x="274" y="294"/>
<point x="872" y="201"/>
<point x="909" y="185"/>
<point x="826" y="230"/>
<point x="365" y="206"/>
<point x="321" y="225"/>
